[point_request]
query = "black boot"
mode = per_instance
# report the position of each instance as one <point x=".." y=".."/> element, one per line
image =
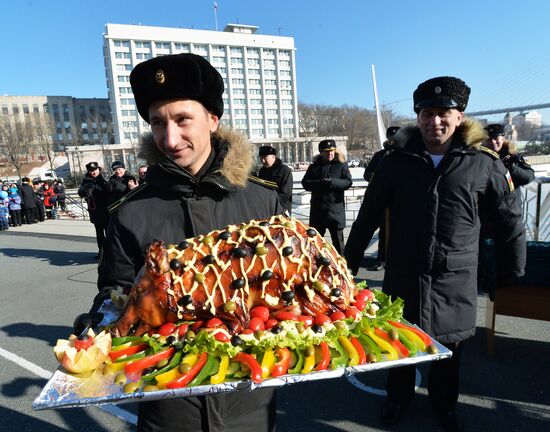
<point x="392" y="413"/>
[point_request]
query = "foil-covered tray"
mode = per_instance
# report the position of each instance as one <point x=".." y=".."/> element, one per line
<point x="65" y="391"/>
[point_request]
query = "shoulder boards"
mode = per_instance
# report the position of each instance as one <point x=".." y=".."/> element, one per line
<point x="114" y="206"/>
<point x="266" y="183"/>
<point x="489" y="152"/>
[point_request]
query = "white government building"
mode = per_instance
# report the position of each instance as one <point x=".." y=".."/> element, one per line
<point x="259" y="72"/>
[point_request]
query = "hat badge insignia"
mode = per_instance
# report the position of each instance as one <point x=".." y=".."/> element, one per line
<point x="437" y="90"/>
<point x="160" y="77"/>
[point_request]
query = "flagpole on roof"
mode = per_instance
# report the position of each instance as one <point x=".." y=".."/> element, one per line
<point x="379" y="121"/>
<point x="216" y="14"/>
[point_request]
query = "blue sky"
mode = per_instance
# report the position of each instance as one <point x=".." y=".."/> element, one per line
<point x="500" y="48"/>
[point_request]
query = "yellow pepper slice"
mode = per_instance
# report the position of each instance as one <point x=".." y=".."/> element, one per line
<point x="385" y="346"/>
<point x="167" y="377"/>
<point x="309" y="363"/>
<point x="220" y="375"/>
<point x="190" y="359"/>
<point x="414" y="338"/>
<point x="267" y="363"/>
<point x="350" y="350"/>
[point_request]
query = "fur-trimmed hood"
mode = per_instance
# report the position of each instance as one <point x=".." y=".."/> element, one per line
<point x="237" y="158"/>
<point x="338" y="157"/>
<point x="508" y="148"/>
<point x="469" y="133"/>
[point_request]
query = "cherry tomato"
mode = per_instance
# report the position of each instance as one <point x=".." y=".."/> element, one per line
<point x="166" y="329"/>
<point x="360" y="304"/>
<point x="286" y="316"/>
<point x="214" y="323"/>
<point x="306" y="319"/>
<point x="197" y="325"/>
<point x="365" y="294"/>
<point x="83" y="342"/>
<point x="247" y="331"/>
<point x="260" y="312"/>
<point x="337" y="316"/>
<point x="271" y="323"/>
<point x="182" y="329"/>
<point x="321" y="319"/>
<point x="222" y="337"/>
<point x="354" y="313"/>
<point x="256" y="324"/>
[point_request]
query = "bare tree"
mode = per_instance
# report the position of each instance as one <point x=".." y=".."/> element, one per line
<point x="42" y="130"/>
<point x="15" y="143"/>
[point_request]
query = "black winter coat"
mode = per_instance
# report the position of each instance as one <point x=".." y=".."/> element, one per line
<point x="434" y="228"/>
<point x="95" y="191"/>
<point x="28" y="196"/>
<point x="172" y="206"/>
<point x="520" y="171"/>
<point x="327" y="197"/>
<point x="282" y="175"/>
<point x="118" y="187"/>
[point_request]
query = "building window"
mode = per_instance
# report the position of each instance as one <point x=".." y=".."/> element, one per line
<point x="15" y="109"/>
<point x="240" y="112"/>
<point x="238" y="51"/>
<point x="237" y="71"/>
<point x="143" y="44"/>
<point x="218" y="59"/>
<point x="269" y="63"/>
<point x="252" y="72"/>
<point x="143" y="56"/>
<point x="258" y="133"/>
<point x="253" y="62"/>
<point x="200" y="50"/>
<point x="252" y="52"/>
<point x="120" y="43"/>
<point x="123" y="78"/>
<point x="271" y="112"/>
<point x="182" y="47"/>
<point x="270" y="82"/>
<point x="284" y="73"/>
<point x="284" y="63"/>
<point x="255" y="101"/>
<point x="238" y="91"/>
<point x="256" y="112"/>
<point x="25" y="109"/>
<point x="5" y="110"/>
<point x="254" y="82"/>
<point x="257" y="121"/>
<point x="237" y="81"/>
<point x="239" y="101"/>
<point x="162" y="45"/>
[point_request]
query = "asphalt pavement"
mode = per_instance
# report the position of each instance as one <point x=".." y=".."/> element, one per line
<point x="48" y="275"/>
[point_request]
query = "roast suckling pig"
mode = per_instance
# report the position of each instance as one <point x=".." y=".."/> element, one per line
<point x="277" y="262"/>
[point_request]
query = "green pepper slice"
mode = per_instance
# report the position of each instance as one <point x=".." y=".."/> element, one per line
<point x="372" y="347"/>
<point x="176" y="358"/>
<point x="342" y="359"/>
<point x="210" y="368"/>
<point x="299" y="364"/>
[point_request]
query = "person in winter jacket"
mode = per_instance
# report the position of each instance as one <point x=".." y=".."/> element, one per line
<point x="94" y="189"/>
<point x="40" y="212"/>
<point x="4" y="211"/>
<point x="120" y="183"/>
<point x="274" y="170"/>
<point x="367" y="175"/>
<point x="14" y="206"/>
<point x="197" y="181"/>
<point x="59" y="189"/>
<point x="28" y="201"/>
<point x="49" y="199"/>
<point x="327" y="178"/>
<point x="433" y="183"/>
<point x="520" y="171"/>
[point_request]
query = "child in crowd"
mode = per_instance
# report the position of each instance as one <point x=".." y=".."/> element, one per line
<point x="14" y="206"/>
<point x="4" y="211"/>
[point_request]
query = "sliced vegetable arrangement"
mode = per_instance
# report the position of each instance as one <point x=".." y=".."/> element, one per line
<point x="275" y="344"/>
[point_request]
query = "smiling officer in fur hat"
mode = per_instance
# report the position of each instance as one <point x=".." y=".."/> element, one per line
<point x="433" y="184"/>
<point x="197" y="181"/>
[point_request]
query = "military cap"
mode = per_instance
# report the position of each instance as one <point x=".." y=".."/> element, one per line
<point x="26" y="180"/>
<point x="267" y="150"/>
<point x="391" y="131"/>
<point x="441" y="92"/>
<point x="117" y="164"/>
<point x="92" y="166"/>
<point x="494" y="130"/>
<point x="328" y="144"/>
<point x="178" y="76"/>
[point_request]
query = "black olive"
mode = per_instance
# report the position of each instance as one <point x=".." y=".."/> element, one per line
<point x="335" y="292"/>
<point x="238" y="283"/>
<point x="175" y="264"/>
<point x="178" y="345"/>
<point x="170" y="340"/>
<point x="147" y="370"/>
<point x="183" y="245"/>
<point x="83" y="337"/>
<point x="266" y="275"/>
<point x="224" y="235"/>
<point x="209" y="259"/>
<point x="288" y="250"/>
<point x="288" y="296"/>
<point x="317" y="328"/>
<point x="323" y="261"/>
<point x="311" y="232"/>
<point x="264" y="224"/>
<point x="239" y="252"/>
<point x="276" y="329"/>
<point x="185" y="300"/>
<point x="236" y="341"/>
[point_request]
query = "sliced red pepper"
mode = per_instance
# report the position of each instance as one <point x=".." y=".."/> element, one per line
<point x="134" y="349"/>
<point x="360" y="350"/>
<point x="281" y="367"/>
<point x="186" y="378"/>
<point x="325" y="357"/>
<point x="149" y="361"/>
<point x="222" y="337"/>
<point x="252" y="364"/>
<point x="182" y="330"/>
<point x="425" y="338"/>
<point x="395" y="343"/>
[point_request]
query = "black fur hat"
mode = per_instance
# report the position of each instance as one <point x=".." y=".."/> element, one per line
<point x="441" y="92"/>
<point x="92" y="166"/>
<point x="178" y="76"/>
<point x="328" y="144"/>
<point x="267" y="150"/>
<point x="494" y="130"/>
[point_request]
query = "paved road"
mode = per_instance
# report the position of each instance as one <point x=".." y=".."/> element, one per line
<point x="48" y="276"/>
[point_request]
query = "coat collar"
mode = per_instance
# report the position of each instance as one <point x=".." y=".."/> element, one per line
<point x="338" y="158"/>
<point x="232" y="164"/>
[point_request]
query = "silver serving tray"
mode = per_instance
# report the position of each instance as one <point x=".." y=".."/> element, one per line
<point x="64" y="390"/>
